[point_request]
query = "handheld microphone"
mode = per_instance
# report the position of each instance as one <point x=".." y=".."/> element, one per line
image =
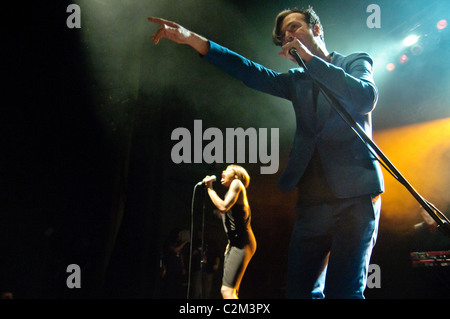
<point x="211" y="178"/>
<point x="293" y="52"/>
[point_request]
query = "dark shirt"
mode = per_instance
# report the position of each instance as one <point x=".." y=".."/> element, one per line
<point x="313" y="187"/>
<point x="235" y="225"/>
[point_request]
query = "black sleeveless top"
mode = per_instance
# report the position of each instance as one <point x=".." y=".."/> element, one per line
<point x="235" y="225"/>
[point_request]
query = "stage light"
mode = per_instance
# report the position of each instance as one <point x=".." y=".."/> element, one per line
<point x="404" y="58"/>
<point x="441" y="24"/>
<point x="410" y="40"/>
<point x="421" y="152"/>
<point x="390" y="67"/>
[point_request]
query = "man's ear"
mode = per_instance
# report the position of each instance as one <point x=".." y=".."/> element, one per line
<point x="317" y="30"/>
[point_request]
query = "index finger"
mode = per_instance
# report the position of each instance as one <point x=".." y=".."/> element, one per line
<point x="162" y="21"/>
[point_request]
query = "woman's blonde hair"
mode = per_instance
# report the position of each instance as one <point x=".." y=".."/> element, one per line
<point x="241" y="174"/>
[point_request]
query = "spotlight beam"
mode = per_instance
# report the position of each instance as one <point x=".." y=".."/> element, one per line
<point x="410" y="40"/>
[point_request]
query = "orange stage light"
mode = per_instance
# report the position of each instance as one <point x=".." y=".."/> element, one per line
<point x="421" y="153"/>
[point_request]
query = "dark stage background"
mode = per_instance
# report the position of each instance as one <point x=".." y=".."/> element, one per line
<point x="87" y="114"/>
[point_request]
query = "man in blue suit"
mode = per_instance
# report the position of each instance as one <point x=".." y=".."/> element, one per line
<point x="338" y="181"/>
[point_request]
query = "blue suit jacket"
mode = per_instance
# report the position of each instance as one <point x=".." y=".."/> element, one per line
<point x="349" y="167"/>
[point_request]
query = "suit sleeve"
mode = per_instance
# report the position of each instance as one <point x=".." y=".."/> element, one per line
<point x="352" y="84"/>
<point x="250" y="73"/>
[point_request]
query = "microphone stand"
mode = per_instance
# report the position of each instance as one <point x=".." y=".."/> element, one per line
<point x="202" y="249"/>
<point x="188" y="290"/>
<point x="443" y="224"/>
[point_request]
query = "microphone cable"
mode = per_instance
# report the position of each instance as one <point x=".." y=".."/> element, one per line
<point x="192" y="239"/>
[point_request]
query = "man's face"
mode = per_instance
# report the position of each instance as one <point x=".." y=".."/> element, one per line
<point x="295" y="26"/>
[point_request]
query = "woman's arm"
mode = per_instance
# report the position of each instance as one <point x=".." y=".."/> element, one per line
<point x="230" y="198"/>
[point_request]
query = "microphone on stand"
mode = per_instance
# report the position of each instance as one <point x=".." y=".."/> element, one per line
<point x="293" y="52"/>
<point x="211" y="178"/>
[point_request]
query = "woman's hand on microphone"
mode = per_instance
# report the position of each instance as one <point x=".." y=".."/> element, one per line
<point x="208" y="181"/>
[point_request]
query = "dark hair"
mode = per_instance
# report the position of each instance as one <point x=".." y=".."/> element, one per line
<point x="311" y="19"/>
